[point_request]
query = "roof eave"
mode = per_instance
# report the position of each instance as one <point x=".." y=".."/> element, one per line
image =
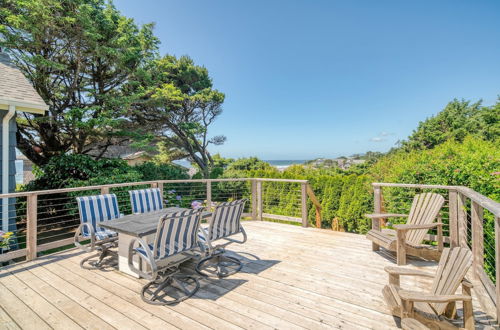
<point x="24" y="106"/>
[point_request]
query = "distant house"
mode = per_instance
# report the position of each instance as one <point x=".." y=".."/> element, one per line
<point x="137" y="158"/>
<point x="16" y="95"/>
<point x="27" y="169"/>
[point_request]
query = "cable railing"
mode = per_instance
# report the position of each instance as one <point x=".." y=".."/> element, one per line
<point x="470" y="219"/>
<point x="45" y="221"/>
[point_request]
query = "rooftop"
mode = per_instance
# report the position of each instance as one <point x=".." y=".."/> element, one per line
<point x="293" y="277"/>
<point x="15" y="88"/>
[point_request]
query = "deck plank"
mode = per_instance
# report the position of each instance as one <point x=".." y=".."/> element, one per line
<point x="6" y="322"/>
<point x="24" y="316"/>
<point x="302" y="278"/>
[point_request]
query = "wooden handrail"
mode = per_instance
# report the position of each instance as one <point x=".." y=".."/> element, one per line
<point x="485" y="202"/>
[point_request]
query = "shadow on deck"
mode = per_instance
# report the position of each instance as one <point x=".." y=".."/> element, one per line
<point x="292" y="278"/>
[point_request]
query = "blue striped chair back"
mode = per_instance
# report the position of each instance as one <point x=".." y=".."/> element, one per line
<point x="96" y="209"/>
<point x="176" y="233"/>
<point x="226" y="219"/>
<point x="146" y="200"/>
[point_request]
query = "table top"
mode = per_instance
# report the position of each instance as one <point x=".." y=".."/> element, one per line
<point x="142" y="224"/>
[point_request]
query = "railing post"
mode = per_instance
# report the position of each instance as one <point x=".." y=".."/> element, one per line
<point x="259" y="200"/>
<point x="304" y="204"/>
<point x="477" y="238"/>
<point x="254" y="198"/>
<point x="31" y="235"/>
<point x="462" y="220"/>
<point x="453" y="217"/>
<point x="209" y="194"/>
<point x="497" y="266"/>
<point x="159" y="185"/>
<point x="104" y="190"/>
<point x="377" y="208"/>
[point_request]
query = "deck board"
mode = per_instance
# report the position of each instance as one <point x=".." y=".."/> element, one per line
<point x="293" y="278"/>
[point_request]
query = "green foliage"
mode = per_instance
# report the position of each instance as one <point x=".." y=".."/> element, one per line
<point x="77" y="54"/>
<point x="473" y="163"/>
<point x="76" y="170"/>
<point x="456" y="121"/>
<point x="80" y="170"/>
<point x="176" y="100"/>
<point x="150" y="171"/>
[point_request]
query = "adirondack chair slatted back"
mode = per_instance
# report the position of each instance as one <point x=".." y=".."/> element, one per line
<point x="146" y="200"/>
<point x="452" y="268"/>
<point x="96" y="209"/>
<point x="176" y="233"/>
<point x="424" y="210"/>
<point x="226" y="219"/>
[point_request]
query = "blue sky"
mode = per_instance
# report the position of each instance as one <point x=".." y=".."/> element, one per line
<point x="306" y="79"/>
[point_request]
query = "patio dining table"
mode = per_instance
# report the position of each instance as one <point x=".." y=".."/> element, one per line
<point x="142" y="225"/>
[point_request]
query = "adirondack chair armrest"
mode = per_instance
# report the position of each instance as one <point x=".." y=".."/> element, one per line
<point x="467" y="284"/>
<point x="385" y="215"/>
<point x="416" y="296"/>
<point x="422" y="226"/>
<point x="393" y="270"/>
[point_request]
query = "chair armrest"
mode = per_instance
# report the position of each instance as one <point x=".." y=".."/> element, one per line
<point x="78" y="232"/>
<point x="424" y="226"/>
<point x="466" y="283"/>
<point x="385" y="215"/>
<point x="393" y="270"/>
<point x="148" y="258"/>
<point x="416" y="296"/>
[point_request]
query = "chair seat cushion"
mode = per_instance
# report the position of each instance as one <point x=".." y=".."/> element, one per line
<point x="103" y="234"/>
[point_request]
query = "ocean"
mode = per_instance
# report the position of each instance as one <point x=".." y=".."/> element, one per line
<point x="282" y="164"/>
<point x="278" y="163"/>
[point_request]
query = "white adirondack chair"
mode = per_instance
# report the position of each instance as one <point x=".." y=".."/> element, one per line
<point x="436" y="307"/>
<point x="407" y="238"/>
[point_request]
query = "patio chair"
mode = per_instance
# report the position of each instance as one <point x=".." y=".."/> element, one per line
<point x="94" y="210"/>
<point x="434" y="308"/>
<point x="407" y="238"/>
<point x="146" y="200"/>
<point x="174" y="243"/>
<point x="225" y="222"/>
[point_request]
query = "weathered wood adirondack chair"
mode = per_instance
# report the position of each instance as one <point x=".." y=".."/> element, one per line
<point x="434" y="308"/>
<point x="407" y="238"/>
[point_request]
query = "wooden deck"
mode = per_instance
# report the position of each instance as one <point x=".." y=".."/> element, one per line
<point x="293" y="278"/>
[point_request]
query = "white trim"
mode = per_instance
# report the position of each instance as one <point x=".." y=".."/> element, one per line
<point x="5" y="165"/>
<point x="28" y="105"/>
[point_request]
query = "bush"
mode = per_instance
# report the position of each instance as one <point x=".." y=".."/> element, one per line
<point x="74" y="170"/>
<point x="150" y="171"/>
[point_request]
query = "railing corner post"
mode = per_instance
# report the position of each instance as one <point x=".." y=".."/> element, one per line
<point x="377" y="208"/>
<point x="259" y="203"/>
<point x="31" y="235"/>
<point x="303" y="189"/>
<point x="254" y="198"/>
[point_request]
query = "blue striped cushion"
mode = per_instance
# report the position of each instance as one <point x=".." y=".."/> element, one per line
<point x="96" y="209"/>
<point x="226" y="219"/>
<point x="177" y="233"/>
<point x="141" y="250"/>
<point x="146" y="200"/>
